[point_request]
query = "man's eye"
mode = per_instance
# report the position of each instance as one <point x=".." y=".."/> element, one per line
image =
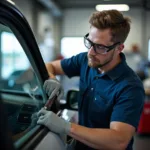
<point x="101" y="47"/>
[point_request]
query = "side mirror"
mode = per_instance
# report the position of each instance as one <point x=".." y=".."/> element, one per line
<point x="72" y="99"/>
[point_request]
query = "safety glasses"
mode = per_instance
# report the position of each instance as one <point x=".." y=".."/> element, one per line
<point x="98" y="48"/>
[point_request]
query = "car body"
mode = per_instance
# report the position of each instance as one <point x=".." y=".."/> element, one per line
<point x="23" y="73"/>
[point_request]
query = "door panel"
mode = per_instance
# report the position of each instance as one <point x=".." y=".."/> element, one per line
<point x="50" y="142"/>
<point x="19" y="109"/>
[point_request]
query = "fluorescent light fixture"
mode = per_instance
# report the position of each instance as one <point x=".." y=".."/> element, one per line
<point x="119" y="7"/>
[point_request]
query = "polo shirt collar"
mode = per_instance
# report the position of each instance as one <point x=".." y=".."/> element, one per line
<point x="116" y="72"/>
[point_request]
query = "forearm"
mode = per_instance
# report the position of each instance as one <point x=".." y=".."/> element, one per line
<point x="54" y="68"/>
<point x="98" y="138"/>
<point x="50" y="70"/>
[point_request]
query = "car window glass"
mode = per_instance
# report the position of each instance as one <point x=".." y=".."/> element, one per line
<point x="15" y="72"/>
<point x="20" y="89"/>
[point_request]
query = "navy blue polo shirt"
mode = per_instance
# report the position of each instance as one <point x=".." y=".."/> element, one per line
<point x="117" y="95"/>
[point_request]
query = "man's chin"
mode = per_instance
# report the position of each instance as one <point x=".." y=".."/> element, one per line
<point x="92" y="65"/>
<point x="95" y="65"/>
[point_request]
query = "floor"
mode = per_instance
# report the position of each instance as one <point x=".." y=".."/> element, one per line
<point x="141" y="142"/>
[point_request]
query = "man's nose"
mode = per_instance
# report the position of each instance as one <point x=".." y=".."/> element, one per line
<point x="92" y="51"/>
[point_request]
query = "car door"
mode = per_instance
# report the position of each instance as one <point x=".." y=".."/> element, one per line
<point x="22" y="76"/>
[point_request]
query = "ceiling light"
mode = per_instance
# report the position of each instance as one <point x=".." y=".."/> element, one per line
<point x="119" y="7"/>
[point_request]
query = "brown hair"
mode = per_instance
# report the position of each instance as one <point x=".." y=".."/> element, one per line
<point x="114" y="20"/>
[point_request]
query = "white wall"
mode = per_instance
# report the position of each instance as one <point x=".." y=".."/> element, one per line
<point x="45" y="20"/>
<point x="135" y="35"/>
<point x="75" y="23"/>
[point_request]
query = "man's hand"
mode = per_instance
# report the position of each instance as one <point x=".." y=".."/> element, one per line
<point x="53" y="122"/>
<point x="53" y="87"/>
<point x="34" y="119"/>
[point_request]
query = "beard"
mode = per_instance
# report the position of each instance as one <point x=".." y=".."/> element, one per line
<point x="95" y="63"/>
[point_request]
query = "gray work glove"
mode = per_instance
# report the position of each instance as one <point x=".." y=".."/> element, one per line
<point x="53" y="87"/>
<point x="34" y="119"/>
<point x="53" y="122"/>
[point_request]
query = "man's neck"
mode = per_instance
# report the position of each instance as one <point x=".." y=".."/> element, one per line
<point x="109" y="66"/>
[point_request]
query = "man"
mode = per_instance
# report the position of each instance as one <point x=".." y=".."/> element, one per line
<point x="111" y="94"/>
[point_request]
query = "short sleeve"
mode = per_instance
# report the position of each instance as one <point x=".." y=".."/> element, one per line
<point x="72" y="66"/>
<point x="129" y="106"/>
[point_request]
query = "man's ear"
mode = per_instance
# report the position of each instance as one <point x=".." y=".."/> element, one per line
<point x="120" y="48"/>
